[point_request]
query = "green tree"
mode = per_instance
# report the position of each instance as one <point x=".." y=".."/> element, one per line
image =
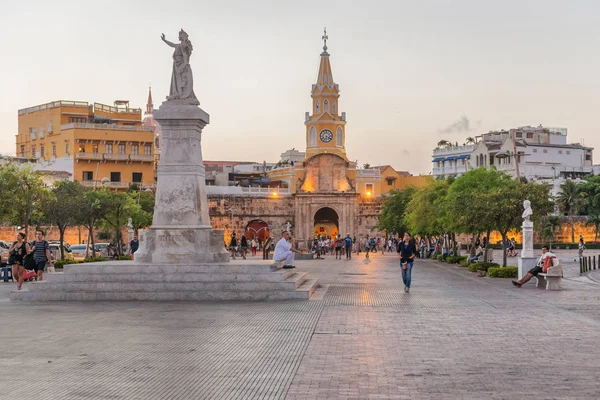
<point x="24" y="195"/>
<point x="391" y="218"/>
<point x="423" y="214"/>
<point x="443" y="143"/>
<point x="64" y="207"/>
<point x="366" y="166"/>
<point x="469" y="140"/>
<point x="549" y="224"/>
<point x="570" y="200"/>
<point x="594" y="220"/>
<point x="141" y="217"/>
<point x="120" y="207"/>
<point x="94" y="207"/>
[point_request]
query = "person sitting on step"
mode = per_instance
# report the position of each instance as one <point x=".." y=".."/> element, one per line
<point x="284" y="250"/>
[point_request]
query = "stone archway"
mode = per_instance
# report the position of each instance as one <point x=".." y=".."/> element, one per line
<point x="257" y="229"/>
<point x="326" y="222"/>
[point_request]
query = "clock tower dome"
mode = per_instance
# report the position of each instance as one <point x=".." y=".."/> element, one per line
<point x="325" y="128"/>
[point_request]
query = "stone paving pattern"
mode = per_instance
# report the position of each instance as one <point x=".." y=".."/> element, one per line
<point x="455" y="336"/>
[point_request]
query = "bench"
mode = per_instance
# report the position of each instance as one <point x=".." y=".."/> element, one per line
<point x="550" y="279"/>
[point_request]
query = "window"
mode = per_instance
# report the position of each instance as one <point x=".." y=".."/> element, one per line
<point x="535" y="150"/>
<point x="312" y="137"/>
<point x="136" y="177"/>
<point x="339" y="137"/>
<point x="67" y="149"/>
<point x="156" y="143"/>
<point x="317" y="107"/>
<point x="545" y="151"/>
<point x="95" y="148"/>
<point x="519" y="135"/>
<point x="32" y="133"/>
<point x="121" y="149"/>
<point x="33" y="150"/>
<point x="560" y="152"/>
<point x="326" y="106"/>
<point x="135" y="149"/>
<point x="109" y="149"/>
<point x="50" y="126"/>
<point x="390" y="182"/>
<point x="568" y="152"/>
<point x="147" y="150"/>
<point x="369" y="189"/>
<point x="115" y="177"/>
<point x="22" y="150"/>
<point x="334" y="107"/>
<point x="88" y="176"/>
<point x="77" y="120"/>
<point x="41" y="132"/>
<point x="53" y="150"/>
<point x="529" y="135"/>
<point x="42" y="151"/>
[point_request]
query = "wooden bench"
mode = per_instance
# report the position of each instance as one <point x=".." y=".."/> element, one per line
<point x="550" y="279"/>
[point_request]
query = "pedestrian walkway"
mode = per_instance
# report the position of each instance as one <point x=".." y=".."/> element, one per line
<point x="360" y="337"/>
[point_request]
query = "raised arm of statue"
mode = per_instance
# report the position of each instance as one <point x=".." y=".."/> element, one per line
<point x="166" y="41"/>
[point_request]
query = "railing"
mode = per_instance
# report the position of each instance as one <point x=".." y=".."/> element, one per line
<point x="456" y="150"/>
<point x="587" y="264"/>
<point x="139" y="157"/>
<point x="121" y="110"/>
<point x="116" y="157"/>
<point x="262" y="190"/>
<point x="53" y="104"/>
<point x="89" y="156"/>
<point x="111" y="127"/>
<point x="117" y="184"/>
<point x="368" y="173"/>
<point x="99" y="184"/>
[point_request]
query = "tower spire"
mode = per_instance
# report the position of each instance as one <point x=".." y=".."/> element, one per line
<point x="325" y="37"/>
<point x="149" y="104"/>
<point x="325" y="77"/>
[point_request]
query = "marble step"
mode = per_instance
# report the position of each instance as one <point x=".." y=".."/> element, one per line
<point x="291" y="283"/>
<point x="304" y="292"/>
<point x="274" y="276"/>
<point x="131" y="267"/>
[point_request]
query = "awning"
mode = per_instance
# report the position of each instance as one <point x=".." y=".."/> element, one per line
<point x="464" y="156"/>
<point x="451" y="158"/>
<point x="438" y="159"/>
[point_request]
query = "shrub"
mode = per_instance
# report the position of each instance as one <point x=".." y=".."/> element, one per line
<point x="60" y="263"/>
<point x="95" y="259"/>
<point x="438" y="257"/>
<point x="472" y="267"/>
<point x="463" y="263"/>
<point x="503" y="272"/>
<point x="484" y="266"/>
<point x="125" y="257"/>
<point x="455" y="259"/>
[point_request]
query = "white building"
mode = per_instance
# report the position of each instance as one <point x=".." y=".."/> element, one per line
<point x="542" y="153"/>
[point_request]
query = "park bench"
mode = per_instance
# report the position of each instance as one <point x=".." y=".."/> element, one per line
<point x="550" y="279"/>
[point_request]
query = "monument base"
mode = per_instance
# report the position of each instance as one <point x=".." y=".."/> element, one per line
<point x="181" y="246"/>
<point x="525" y="264"/>
<point x="134" y="281"/>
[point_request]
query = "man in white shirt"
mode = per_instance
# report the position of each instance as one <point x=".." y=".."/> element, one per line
<point x="284" y="250"/>
<point x="535" y="270"/>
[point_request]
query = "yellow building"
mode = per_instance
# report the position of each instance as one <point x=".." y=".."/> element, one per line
<point x="92" y="142"/>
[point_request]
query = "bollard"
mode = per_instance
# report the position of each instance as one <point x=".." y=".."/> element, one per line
<point x="589" y="263"/>
<point x="594" y="262"/>
<point x="584" y="265"/>
<point x="580" y="266"/>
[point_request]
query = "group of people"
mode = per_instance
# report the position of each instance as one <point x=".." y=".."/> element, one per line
<point x="242" y="246"/>
<point x="31" y="255"/>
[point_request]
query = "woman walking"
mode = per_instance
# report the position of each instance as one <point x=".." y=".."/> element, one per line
<point x="17" y="251"/>
<point x="407" y="250"/>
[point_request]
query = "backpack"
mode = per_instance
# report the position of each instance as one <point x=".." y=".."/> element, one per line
<point x="548" y="263"/>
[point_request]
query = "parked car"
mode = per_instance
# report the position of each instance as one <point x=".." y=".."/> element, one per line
<point x="102" y="248"/>
<point x="55" y="251"/>
<point x="78" y="251"/>
<point x="4" y="246"/>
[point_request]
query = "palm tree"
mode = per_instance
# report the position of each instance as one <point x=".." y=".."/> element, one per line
<point x="443" y="143"/>
<point x="594" y="220"/>
<point x="549" y="225"/>
<point x="470" y="140"/>
<point x="570" y="199"/>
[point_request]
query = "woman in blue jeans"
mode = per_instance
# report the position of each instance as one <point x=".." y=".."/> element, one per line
<point x="407" y="250"/>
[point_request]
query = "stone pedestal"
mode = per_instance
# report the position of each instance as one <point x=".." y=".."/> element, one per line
<point x="181" y="231"/>
<point x="525" y="264"/>
<point x="527" y="258"/>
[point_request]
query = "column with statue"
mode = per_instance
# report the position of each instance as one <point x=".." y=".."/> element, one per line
<point x="527" y="258"/>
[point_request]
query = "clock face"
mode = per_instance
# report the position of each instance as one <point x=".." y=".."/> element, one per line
<point x="326" y="136"/>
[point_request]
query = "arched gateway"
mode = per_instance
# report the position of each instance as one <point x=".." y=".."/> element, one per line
<point x="326" y="222"/>
<point x="257" y="229"/>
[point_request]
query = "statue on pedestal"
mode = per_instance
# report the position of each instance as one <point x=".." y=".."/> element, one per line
<point x="182" y="80"/>
<point x="527" y="213"/>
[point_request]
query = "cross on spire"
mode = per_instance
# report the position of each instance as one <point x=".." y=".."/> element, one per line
<point x="325" y="37"/>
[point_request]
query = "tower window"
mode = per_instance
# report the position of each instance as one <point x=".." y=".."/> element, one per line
<point x="326" y="106"/>
<point x="317" y="107"/>
<point x="339" y="137"/>
<point x="312" y="137"/>
<point x="334" y="107"/>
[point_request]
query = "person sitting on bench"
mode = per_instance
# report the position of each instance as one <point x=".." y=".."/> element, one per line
<point x="478" y="253"/>
<point x="284" y="250"/>
<point x="542" y="265"/>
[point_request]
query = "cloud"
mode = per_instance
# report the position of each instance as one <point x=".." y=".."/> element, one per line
<point x="462" y="125"/>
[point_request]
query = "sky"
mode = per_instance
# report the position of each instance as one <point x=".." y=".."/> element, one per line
<point x="411" y="73"/>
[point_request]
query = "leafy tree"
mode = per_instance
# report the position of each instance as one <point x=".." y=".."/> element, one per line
<point x="24" y="195"/>
<point x="366" y="166"/>
<point x="424" y="210"/>
<point x="469" y="140"/>
<point x="64" y="207"/>
<point x="141" y="217"/>
<point x="570" y="199"/>
<point x="94" y="207"/>
<point x="594" y="220"/>
<point x="391" y="218"/>
<point x="120" y="207"/>
<point x="549" y="224"/>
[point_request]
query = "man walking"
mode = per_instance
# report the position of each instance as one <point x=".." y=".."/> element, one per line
<point x="348" y="245"/>
<point x="407" y="250"/>
<point x="41" y="254"/>
<point x="284" y="251"/>
<point x="134" y="245"/>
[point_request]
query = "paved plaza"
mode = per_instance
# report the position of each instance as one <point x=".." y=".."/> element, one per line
<point x="455" y="336"/>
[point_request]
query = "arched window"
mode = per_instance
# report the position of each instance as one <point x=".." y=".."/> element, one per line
<point x="317" y="107"/>
<point x="312" y="137"/>
<point x="334" y="107"/>
<point x="326" y="106"/>
<point x="339" y="137"/>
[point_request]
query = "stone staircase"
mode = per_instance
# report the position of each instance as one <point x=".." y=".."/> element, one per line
<point x="128" y="280"/>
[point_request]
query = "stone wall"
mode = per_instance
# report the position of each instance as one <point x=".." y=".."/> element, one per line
<point x="276" y="212"/>
<point x="73" y="235"/>
<point x="368" y="216"/>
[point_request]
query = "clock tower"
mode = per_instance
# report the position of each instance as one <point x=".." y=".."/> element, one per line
<point x="325" y="128"/>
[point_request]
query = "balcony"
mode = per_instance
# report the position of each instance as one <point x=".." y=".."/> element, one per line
<point x="109" y="127"/>
<point x="142" y="158"/>
<point x="89" y="156"/>
<point x="266" y="190"/>
<point x="53" y="104"/>
<point x="116" y="157"/>
<point x="454" y="150"/>
<point x="369" y="174"/>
